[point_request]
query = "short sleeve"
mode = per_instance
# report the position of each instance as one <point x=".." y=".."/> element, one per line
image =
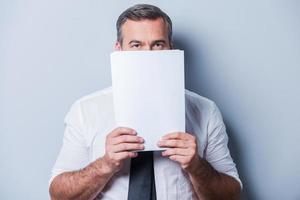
<point x="217" y="152"/>
<point x="73" y="154"/>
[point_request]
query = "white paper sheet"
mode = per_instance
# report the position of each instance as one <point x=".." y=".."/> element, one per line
<point x="148" y="92"/>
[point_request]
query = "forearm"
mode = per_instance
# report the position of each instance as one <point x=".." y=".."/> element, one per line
<point x="209" y="184"/>
<point x="82" y="184"/>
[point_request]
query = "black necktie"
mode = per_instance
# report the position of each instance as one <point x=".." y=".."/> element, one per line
<point x="141" y="180"/>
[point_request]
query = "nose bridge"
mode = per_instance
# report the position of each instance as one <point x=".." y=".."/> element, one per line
<point x="148" y="46"/>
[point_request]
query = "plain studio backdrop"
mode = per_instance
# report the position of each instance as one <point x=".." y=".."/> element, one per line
<point x="244" y="55"/>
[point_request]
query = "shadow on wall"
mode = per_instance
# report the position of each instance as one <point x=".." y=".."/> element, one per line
<point x="195" y="64"/>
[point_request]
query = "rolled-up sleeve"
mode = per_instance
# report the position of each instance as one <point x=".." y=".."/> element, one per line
<point x="73" y="154"/>
<point x="217" y="152"/>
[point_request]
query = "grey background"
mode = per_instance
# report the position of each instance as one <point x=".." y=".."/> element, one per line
<point x="244" y="55"/>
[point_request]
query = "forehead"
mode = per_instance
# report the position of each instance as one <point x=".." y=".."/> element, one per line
<point x="144" y="29"/>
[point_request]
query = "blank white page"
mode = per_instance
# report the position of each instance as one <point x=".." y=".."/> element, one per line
<point x="148" y="92"/>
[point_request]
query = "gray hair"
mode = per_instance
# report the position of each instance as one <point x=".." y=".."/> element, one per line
<point x="140" y="12"/>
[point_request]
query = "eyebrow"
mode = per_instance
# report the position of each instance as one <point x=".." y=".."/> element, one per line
<point x="134" y="41"/>
<point x="158" y="41"/>
<point x="153" y="42"/>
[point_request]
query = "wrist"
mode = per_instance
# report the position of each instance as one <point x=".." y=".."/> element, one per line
<point x="202" y="170"/>
<point x="104" y="168"/>
<point x="198" y="166"/>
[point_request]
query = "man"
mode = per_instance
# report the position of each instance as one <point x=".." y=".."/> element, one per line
<point x="94" y="161"/>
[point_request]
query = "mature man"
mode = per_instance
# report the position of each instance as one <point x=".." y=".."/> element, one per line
<point x="94" y="161"/>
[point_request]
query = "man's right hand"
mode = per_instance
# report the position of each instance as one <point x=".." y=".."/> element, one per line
<point x="120" y="144"/>
<point x="89" y="181"/>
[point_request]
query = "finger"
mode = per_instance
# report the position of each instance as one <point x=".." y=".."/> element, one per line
<point x="127" y="147"/>
<point x="179" y="158"/>
<point x="122" y="131"/>
<point x="178" y="135"/>
<point x="173" y="143"/>
<point x="177" y="151"/>
<point x="126" y="139"/>
<point x="124" y="155"/>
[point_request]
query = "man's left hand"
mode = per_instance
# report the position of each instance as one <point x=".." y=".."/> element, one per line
<point x="182" y="148"/>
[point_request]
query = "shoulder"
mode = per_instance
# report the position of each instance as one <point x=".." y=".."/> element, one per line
<point x="95" y="98"/>
<point x="99" y="94"/>
<point x="197" y="102"/>
<point x="92" y="104"/>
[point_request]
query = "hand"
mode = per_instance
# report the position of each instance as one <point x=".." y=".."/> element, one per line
<point x="182" y="148"/>
<point x="119" y="146"/>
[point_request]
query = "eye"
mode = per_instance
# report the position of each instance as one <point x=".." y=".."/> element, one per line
<point x="159" y="45"/>
<point x="135" y="46"/>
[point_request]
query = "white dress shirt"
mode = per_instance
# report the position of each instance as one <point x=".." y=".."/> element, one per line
<point x="91" y="118"/>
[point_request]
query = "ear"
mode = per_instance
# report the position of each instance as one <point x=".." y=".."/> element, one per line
<point x="118" y="46"/>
